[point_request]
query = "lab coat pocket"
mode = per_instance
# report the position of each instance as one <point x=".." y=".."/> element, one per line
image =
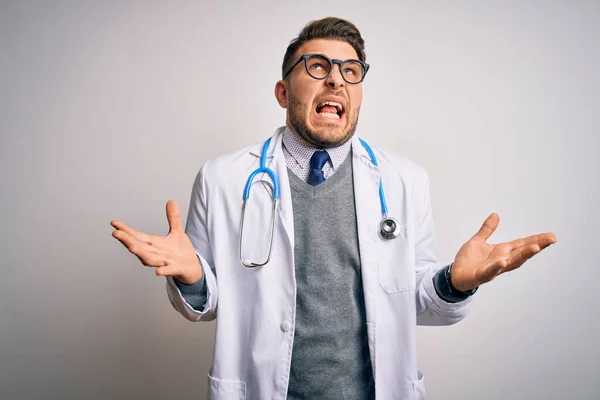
<point x="419" y="387"/>
<point x="220" y="389"/>
<point x="396" y="266"/>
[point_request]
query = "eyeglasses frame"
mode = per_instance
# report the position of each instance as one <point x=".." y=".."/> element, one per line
<point x="333" y="61"/>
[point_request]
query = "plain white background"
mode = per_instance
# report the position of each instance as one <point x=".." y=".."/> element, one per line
<point x="108" y="109"/>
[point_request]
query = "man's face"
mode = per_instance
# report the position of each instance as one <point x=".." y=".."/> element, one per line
<point x="304" y="97"/>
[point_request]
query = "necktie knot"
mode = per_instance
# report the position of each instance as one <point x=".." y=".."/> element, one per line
<point x="317" y="161"/>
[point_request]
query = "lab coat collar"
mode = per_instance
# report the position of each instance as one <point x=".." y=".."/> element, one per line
<point x="358" y="150"/>
<point x="275" y="148"/>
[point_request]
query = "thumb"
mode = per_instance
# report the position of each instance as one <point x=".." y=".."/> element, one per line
<point x="173" y="216"/>
<point x="488" y="227"/>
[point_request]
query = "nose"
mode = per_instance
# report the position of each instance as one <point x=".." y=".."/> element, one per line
<point x="335" y="80"/>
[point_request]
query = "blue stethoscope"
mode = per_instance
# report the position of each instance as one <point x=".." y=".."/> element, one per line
<point x="389" y="227"/>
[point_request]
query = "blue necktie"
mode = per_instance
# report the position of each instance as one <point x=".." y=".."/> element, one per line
<point x="317" y="162"/>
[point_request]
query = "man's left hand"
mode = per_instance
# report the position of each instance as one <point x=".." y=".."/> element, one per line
<point x="478" y="262"/>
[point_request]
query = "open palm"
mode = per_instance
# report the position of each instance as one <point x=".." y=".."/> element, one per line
<point x="171" y="255"/>
<point x="478" y="262"/>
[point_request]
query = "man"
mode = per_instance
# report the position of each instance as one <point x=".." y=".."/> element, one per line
<point x="333" y="313"/>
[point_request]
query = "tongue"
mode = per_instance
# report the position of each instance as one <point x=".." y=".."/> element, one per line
<point x="329" y="109"/>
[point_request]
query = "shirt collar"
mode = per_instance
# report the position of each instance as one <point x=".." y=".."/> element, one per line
<point x="302" y="152"/>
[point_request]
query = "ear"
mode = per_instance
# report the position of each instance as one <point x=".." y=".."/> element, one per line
<point x="281" y="93"/>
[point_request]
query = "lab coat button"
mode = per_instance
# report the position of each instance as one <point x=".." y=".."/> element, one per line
<point x="286" y="326"/>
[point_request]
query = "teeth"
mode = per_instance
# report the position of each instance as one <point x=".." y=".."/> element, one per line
<point x="332" y="103"/>
<point x="329" y="115"/>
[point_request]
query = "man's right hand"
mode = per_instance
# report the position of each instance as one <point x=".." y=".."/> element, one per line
<point x="171" y="255"/>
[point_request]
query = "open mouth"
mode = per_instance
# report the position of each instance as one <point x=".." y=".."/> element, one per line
<point x="330" y="109"/>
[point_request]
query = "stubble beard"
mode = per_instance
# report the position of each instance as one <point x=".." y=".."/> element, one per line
<point x="299" y="125"/>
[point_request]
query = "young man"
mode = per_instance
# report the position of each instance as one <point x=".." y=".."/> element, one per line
<point x="333" y="313"/>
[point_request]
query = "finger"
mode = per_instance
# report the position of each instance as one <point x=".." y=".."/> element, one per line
<point x="523" y="241"/>
<point x="151" y="260"/>
<point x="488" y="227"/>
<point x="148" y="258"/>
<point x="167" y="270"/>
<point x="520" y="255"/>
<point x="546" y="239"/>
<point x="145" y="253"/>
<point x="173" y="216"/>
<point x="543" y="240"/>
<point x="140" y="236"/>
<point x="126" y="238"/>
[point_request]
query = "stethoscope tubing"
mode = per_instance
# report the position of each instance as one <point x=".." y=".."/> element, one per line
<point x="389" y="227"/>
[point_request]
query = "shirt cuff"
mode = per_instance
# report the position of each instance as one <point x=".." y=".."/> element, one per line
<point x="445" y="290"/>
<point x="195" y="294"/>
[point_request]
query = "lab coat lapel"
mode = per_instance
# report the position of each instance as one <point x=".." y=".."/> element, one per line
<point x="368" y="216"/>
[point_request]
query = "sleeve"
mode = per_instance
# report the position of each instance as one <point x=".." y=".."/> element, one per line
<point x="195" y="294"/>
<point x="431" y="308"/>
<point x="445" y="289"/>
<point x="197" y="231"/>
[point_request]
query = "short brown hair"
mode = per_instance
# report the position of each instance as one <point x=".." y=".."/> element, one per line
<point x="326" y="28"/>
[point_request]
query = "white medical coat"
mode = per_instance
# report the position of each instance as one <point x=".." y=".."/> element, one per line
<point x="255" y="307"/>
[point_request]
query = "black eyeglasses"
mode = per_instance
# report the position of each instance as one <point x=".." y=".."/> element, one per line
<point x="319" y="67"/>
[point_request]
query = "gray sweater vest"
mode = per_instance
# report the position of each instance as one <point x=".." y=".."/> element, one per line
<point x="330" y="354"/>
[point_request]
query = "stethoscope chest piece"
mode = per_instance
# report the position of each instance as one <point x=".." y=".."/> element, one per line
<point x="389" y="228"/>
